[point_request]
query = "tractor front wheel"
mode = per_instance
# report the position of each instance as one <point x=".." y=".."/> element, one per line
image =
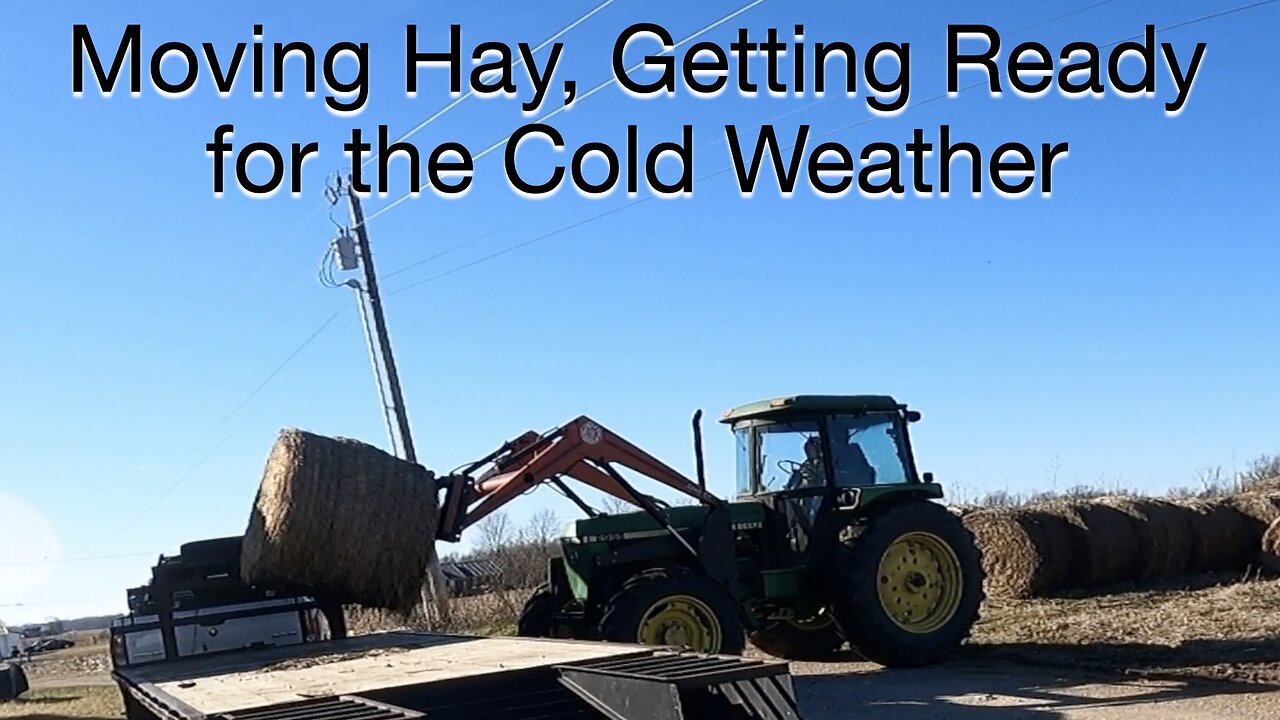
<point x="809" y="639"/>
<point x="538" y="617"/>
<point x="910" y="585"/>
<point x="674" y="607"/>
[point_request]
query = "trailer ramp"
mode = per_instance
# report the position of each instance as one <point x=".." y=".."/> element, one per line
<point x="683" y="686"/>
<point x="654" y="685"/>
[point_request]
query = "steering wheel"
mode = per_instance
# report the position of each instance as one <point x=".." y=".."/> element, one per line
<point x="790" y="466"/>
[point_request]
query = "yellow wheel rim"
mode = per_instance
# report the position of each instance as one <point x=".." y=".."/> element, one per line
<point x="681" y="621"/>
<point x="919" y="582"/>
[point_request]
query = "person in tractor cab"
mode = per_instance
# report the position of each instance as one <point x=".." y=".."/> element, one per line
<point x="811" y="472"/>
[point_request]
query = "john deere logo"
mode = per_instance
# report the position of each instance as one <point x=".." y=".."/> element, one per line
<point x="590" y="433"/>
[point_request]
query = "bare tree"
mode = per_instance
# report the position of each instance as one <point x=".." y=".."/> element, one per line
<point x="495" y="533"/>
<point x="1262" y="472"/>
<point x="543" y="528"/>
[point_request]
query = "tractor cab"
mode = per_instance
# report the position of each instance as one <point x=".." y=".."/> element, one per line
<point x="807" y="456"/>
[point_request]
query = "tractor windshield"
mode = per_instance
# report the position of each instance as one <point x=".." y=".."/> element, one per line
<point x="863" y="449"/>
<point x="780" y="456"/>
<point x="868" y="450"/>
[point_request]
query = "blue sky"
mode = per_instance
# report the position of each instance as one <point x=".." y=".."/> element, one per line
<point x="1117" y="333"/>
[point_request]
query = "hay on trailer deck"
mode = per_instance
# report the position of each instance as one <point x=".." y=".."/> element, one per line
<point x="1164" y="533"/>
<point x="1025" y="553"/>
<point x="1221" y="535"/>
<point x="343" y="520"/>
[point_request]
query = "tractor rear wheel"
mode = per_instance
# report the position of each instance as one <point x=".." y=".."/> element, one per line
<point x="810" y="639"/>
<point x="674" y="607"/>
<point x="910" y="585"/>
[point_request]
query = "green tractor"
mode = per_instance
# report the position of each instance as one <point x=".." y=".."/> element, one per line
<point x="833" y="537"/>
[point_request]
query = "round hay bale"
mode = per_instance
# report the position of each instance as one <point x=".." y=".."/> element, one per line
<point x="1111" y="542"/>
<point x="1164" y="532"/>
<point x="1079" y="568"/>
<point x="1259" y="509"/>
<point x="1025" y="553"/>
<point x="343" y="520"/>
<point x="1223" y="540"/>
<point x="1271" y="547"/>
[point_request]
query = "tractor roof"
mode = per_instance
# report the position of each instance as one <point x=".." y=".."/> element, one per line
<point x="812" y="405"/>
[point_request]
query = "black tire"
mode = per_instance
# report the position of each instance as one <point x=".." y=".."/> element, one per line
<point x="628" y="616"/>
<point x="805" y="640"/>
<point x="537" y="618"/>
<point x="893" y="542"/>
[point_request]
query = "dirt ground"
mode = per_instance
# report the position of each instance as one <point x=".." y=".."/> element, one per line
<point x="1211" y="652"/>
<point x="1001" y="691"/>
<point x="1218" y="628"/>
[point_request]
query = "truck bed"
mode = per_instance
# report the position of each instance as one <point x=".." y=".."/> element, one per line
<point x="219" y="684"/>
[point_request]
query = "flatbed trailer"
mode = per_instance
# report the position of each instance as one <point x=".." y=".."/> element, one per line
<point x="386" y="676"/>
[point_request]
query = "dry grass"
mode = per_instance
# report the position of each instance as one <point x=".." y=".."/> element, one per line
<point x="86" y="701"/>
<point x="1226" y="631"/>
<point x="488" y="614"/>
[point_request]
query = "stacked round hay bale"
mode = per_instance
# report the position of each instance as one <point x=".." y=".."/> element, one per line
<point x="342" y="520"/>
<point x="1077" y="540"/>
<point x="1025" y="552"/>
<point x="1222" y="538"/>
<point x="1271" y="546"/>
<point x="1164" y="533"/>
<point x="1106" y="544"/>
<point x="1259" y="508"/>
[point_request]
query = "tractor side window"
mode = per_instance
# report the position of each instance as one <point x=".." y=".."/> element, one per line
<point x="791" y="457"/>
<point x="867" y="451"/>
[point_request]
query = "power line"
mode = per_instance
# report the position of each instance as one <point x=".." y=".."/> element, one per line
<point x="842" y="129"/>
<point x="518" y="62"/>
<point x="61" y="601"/>
<point x="227" y="418"/>
<point x="87" y="558"/>
<point x="1203" y="18"/>
<point x="1063" y="16"/>
<point x="446" y="251"/>
<point x="526" y="243"/>
<point x="546" y="116"/>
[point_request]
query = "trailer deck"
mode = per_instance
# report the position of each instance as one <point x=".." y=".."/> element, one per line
<point x="405" y="675"/>
<point x="218" y="684"/>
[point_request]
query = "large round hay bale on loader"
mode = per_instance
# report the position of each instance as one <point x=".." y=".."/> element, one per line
<point x="1025" y="552"/>
<point x="1271" y="547"/>
<point x="343" y="520"/>
<point x="1221" y="534"/>
<point x="1164" y="532"/>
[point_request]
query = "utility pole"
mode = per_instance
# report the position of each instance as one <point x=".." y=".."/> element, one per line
<point x="380" y="325"/>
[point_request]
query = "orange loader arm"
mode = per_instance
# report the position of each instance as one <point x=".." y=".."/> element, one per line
<point x="579" y="450"/>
